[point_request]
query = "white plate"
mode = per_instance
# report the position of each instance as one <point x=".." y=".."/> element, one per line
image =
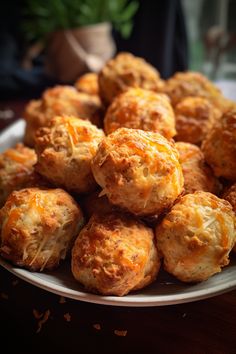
<point x="165" y="291"/>
<point x="228" y="87"/>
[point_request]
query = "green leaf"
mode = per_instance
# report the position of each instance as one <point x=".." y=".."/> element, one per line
<point x="125" y="29"/>
<point x="41" y="17"/>
<point x="129" y="11"/>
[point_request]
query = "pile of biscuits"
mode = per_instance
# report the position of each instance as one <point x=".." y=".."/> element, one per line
<point x="123" y="173"/>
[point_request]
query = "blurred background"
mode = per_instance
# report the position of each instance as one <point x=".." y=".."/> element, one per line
<point x="211" y="29"/>
<point x="45" y="43"/>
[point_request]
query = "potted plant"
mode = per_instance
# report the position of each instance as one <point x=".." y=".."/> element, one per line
<point x="77" y="33"/>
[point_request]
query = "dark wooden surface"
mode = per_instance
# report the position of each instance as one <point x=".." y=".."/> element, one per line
<point x="202" y="327"/>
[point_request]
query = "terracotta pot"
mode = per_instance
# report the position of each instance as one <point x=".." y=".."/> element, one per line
<point x="71" y="53"/>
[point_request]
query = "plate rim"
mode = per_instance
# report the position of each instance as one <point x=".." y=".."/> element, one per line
<point x="125" y="301"/>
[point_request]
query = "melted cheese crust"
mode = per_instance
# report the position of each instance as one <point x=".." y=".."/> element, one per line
<point x="17" y="170"/>
<point x="196" y="236"/>
<point x="114" y="255"/>
<point x="138" y="171"/>
<point x="65" y="150"/>
<point x="141" y="109"/>
<point x="124" y="71"/>
<point x="88" y="83"/>
<point x="198" y="176"/>
<point x="219" y="146"/>
<point x="60" y="100"/>
<point x="190" y="83"/>
<point x="194" y="117"/>
<point x="230" y="196"/>
<point x="38" y="227"/>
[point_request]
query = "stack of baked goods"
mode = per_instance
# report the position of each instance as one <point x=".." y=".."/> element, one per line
<point x="123" y="173"/>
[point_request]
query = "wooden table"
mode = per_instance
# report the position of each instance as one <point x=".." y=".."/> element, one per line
<point x="202" y="327"/>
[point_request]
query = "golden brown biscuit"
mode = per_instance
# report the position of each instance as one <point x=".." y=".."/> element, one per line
<point x="124" y="71"/>
<point x="138" y="171"/>
<point x="230" y="196"/>
<point x="141" y="109"/>
<point x="67" y="99"/>
<point x="219" y="146"/>
<point x="65" y="149"/>
<point x="38" y="227"/>
<point x="115" y="255"/>
<point x="196" y="236"/>
<point x="190" y="83"/>
<point x="60" y="100"/>
<point x="88" y="83"/>
<point x="198" y="176"/>
<point x="194" y="117"/>
<point x="35" y="118"/>
<point x="17" y="170"/>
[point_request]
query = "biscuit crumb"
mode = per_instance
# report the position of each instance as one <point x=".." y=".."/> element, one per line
<point x="43" y="320"/>
<point x="4" y="296"/>
<point x="120" y="333"/>
<point x="67" y="317"/>
<point x="97" y="326"/>
<point x="62" y="300"/>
